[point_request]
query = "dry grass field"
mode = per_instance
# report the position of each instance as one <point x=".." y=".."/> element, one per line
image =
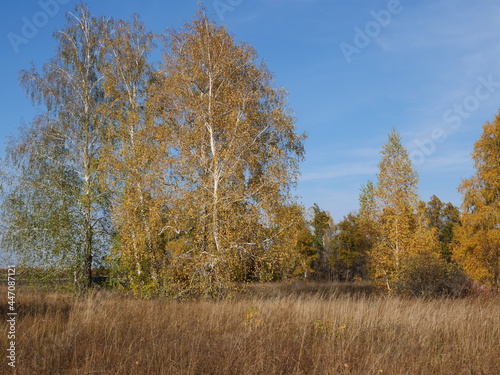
<point x="273" y="329"/>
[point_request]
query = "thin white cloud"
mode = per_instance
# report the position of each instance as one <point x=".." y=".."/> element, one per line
<point x="451" y="161"/>
<point x="339" y="170"/>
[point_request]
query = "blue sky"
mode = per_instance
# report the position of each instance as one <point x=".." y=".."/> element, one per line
<point x="354" y="70"/>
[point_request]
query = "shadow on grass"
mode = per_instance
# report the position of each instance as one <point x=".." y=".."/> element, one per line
<point x="33" y="301"/>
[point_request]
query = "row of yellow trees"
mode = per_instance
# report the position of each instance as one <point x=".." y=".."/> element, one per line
<point x="403" y="234"/>
<point x="408" y="246"/>
<point x="176" y="176"/>
<point x="477" y="240"/>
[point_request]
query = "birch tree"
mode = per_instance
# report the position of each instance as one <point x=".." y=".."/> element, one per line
<point x="477" y="245"/>
<point x="402" y="228"/>
<point x="57" y="160"/>
<point x="368" y="216"/>
<point x="234" y="146"/>
<point x="39" y="206"/>
<point x="133" y="157"/>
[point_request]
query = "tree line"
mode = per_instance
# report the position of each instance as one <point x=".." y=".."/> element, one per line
<point x="412" y="247"/>
<point x="178" y="175"/>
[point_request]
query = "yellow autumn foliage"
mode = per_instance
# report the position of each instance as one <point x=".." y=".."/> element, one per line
<point x="477" y="241"/>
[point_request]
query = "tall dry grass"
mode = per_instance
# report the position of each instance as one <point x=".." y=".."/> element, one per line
<point x="272" y="330"/>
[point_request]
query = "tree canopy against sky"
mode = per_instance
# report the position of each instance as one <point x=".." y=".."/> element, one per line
<point x="401" y="229"/>
<point x="477" y="246"/>
<point x="331" y="98"/>
<point x="108" y="112"/>
<point x="57" y="161"/>
<point x="187" y="169"/>
<point x="235" y="151"/>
